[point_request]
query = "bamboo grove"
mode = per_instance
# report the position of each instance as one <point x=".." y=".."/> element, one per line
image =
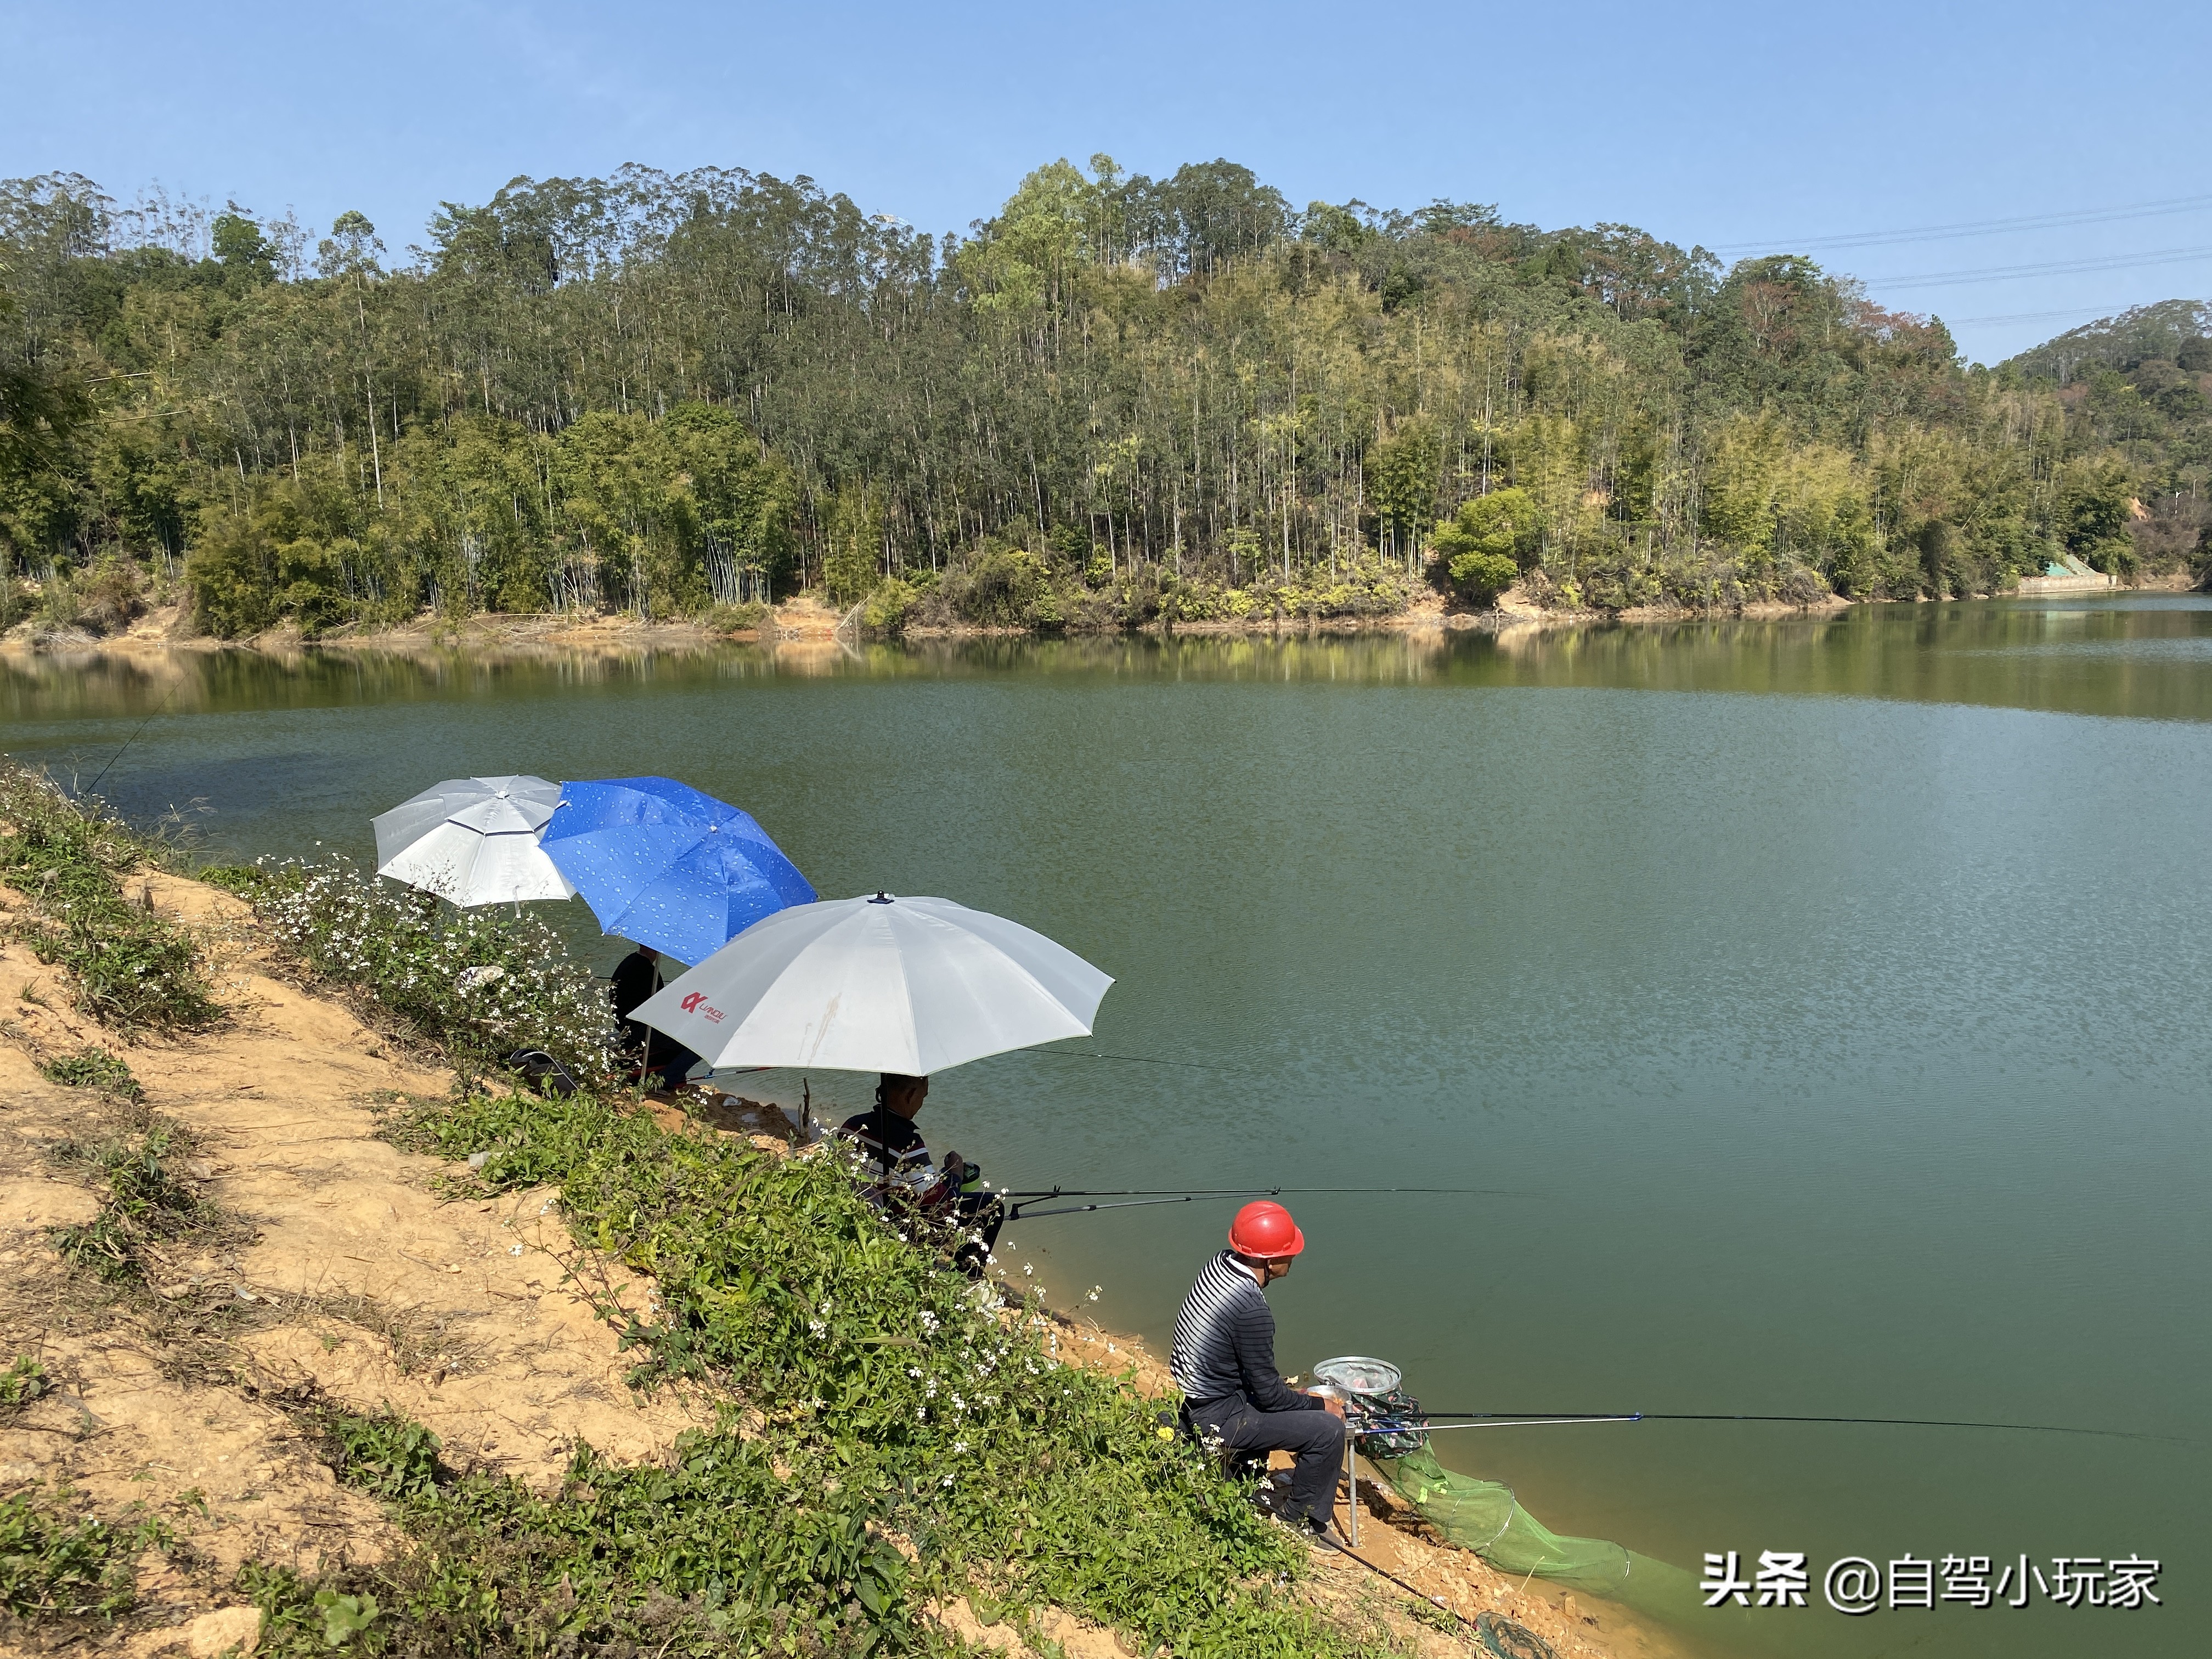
<point x="1120" y="400"/>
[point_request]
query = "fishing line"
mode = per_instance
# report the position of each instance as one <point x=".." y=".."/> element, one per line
<point x="1148" y="1060"/>
<point x="1478" y="1420"/>
<point x="133" y="737"/>
<point x="1016" y="1213"/>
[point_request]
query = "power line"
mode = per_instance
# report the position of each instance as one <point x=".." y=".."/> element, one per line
<point x="2039" y="316"/>
<point x="1976" y="227"/>
<point x="2049" y="268"/>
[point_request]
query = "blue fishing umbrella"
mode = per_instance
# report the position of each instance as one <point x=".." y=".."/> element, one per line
<point x="665" y="865"/>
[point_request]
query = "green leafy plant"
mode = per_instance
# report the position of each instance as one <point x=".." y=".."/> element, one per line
<point x="889" y="606"/>
<point x="389" y="1456"/>
<point x="345" y="1618"/>
<point x="21" y="1383"/>
<point x="1476" y="547"/>
<point x="57" y="1566"/>
<point x="92" y="1068"/>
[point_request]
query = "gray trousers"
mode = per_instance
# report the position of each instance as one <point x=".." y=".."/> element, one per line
<point x="1315" y="1437"/>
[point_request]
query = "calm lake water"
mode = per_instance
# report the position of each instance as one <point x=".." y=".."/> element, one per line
<point x="1829" y="997"/>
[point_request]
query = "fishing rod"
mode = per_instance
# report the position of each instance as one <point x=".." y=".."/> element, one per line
<point x="1238" y="1192"/>
<point x="1411" y="1421"/>
<point x="1408" y="1425"/>
<point x="1139" y="1197"/>
<point x="1021" y="1212"/>
<point x="133" y="737"/>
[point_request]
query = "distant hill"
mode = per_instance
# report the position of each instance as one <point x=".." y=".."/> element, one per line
<point x="2180" y="331"/>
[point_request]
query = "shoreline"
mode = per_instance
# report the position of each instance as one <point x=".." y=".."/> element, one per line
<point x="372" y="1284"/>
<point x="805" y="629"/>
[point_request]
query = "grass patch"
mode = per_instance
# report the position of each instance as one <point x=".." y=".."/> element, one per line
<point x="890" y="1400"/>
<point x="726" y="1548"/>
<point x="93" y="1067"/>
<point x="129" y="967"/>
<point x="57" y="1566"/>
<point x="140" y="1200"/>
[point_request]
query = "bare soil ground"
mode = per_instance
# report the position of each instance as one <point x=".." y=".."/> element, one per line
<point x="336" y="1267"/>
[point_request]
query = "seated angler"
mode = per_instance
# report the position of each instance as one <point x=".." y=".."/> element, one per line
<point x="636" y="977"/>
<point x="1224" y="1361"/>
<point x="894" y="1163"/>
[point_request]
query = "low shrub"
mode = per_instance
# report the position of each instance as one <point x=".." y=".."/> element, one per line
<point x="889" y="606"/>
<point x="733" y="618"/>
<point x="476" y="984"/>
<point x="717" y="1550"/>
<point x="1001" y="588"/>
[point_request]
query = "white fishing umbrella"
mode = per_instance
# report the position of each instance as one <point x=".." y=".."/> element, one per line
<point x="882" y="984"/>
<point x="473" y="840"/>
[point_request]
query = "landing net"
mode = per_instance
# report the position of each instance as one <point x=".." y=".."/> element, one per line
<point x="1483" y="1516"/>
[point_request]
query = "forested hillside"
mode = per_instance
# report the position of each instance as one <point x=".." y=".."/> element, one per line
<point x="1118" y="400"/>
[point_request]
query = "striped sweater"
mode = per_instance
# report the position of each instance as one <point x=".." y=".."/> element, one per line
<point x="1225" y="1342"/>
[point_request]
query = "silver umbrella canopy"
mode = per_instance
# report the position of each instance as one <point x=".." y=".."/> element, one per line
<point x="473" y="840"/>
<point x="882" y="984"/>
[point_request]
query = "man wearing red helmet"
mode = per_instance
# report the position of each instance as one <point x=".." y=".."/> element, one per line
<point x="1224" y="1361"/>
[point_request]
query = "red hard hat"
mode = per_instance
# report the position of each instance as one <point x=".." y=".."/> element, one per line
<point x="1265" y="1231"/>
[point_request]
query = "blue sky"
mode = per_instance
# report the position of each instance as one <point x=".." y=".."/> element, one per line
<point x="1748" y="128"/>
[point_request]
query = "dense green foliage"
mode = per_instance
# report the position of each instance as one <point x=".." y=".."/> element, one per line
<point x="1119" y="399"/>
<point x="885" y="1401"/>
<point x="129" y="967"/>
<point x="2137" y="388"/>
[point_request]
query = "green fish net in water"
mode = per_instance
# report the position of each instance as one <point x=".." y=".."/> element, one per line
<point x="1483" y="1517"/>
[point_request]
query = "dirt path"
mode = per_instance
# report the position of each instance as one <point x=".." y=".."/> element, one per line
<point x="341" y="1271"/>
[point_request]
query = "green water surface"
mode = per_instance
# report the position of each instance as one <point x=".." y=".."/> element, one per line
<point x="1831" y="998"/>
